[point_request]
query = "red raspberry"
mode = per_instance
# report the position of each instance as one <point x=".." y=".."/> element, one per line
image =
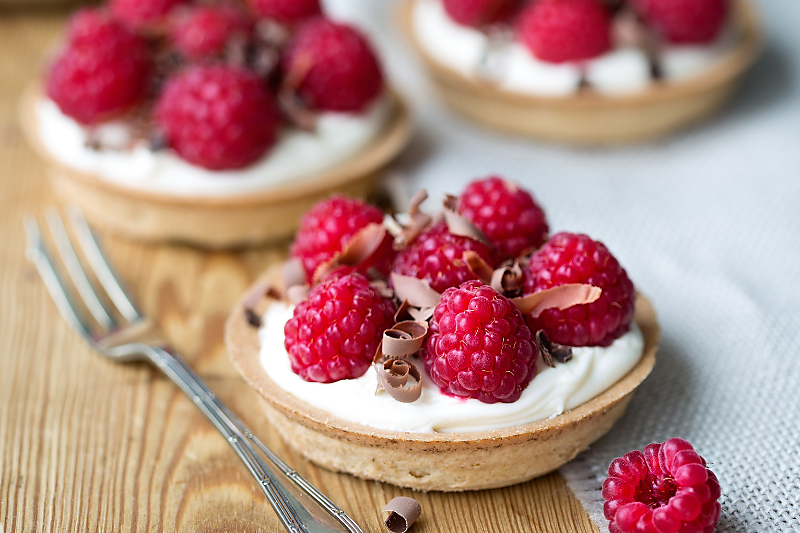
<point x="205" y="31"/>
<point x="684" y="21"/>
<point x="103" y="71"/>
<point x="326" y="229"/>
<point x="479" y="346"/>
<point x="506" y="214"/>
<point x="666" y="489"/>
<point x="566" y="30"/>
<point x="571" y="258"/>
<point x="218" y="117"/>
<point x="333" y="335"/>
<point x="436" y="256"/>
<point x="142" y="15"/>
<point x="479" y="13"/>
<point x="335" y="66"/>
<point x="287" y="11"/>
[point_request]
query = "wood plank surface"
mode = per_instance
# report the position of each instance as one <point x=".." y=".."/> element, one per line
<point x="87" y="445"/>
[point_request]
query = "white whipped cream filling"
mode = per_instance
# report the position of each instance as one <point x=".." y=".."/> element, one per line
<point x="591" y="371"/>
<point x="617" y="72"/>
<point x="296" y="155"/>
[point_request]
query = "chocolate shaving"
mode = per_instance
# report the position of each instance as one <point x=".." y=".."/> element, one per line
<point x="508" y="280"/>
<point x="479" y="267"/>
<point x="252" y="318"/>
<point x="458" y="224"/>
<point x="403" y="512"/>
<point x="293" y="272"/>
<point x="629" y="31"/>
<point x="361" y="247"/>
<point x="393" y="377"/>
<point x="417" y="292"/>
<point x="404" y="338"/>
<point x="381" y="286"/>
<point x="561" y="297"/>
<point x="296" y="110"/>
<point x="297" y="293"/>
<point x="551" y="350"/>
<point x="418" y="221"/>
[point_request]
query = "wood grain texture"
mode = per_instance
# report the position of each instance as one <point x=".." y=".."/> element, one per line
<point x="87" y="445"/>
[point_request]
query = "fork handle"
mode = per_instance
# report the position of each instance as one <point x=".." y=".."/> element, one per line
<point x="236" y="435"/>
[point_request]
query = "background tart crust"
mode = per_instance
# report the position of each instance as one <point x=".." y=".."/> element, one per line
<point x="591" y="118"/>
<point x="433" y="461"/>
<point x="225" y="222"/>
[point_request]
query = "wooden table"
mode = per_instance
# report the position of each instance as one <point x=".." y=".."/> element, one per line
<point x="87" y="445"/>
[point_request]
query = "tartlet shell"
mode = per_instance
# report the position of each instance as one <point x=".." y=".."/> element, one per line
<point x="591" y="118"/>
<point x="216" y="222"/>
<point x="434" y="461"/>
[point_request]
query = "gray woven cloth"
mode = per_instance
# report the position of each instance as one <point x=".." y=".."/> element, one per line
<point x="707" y="225"/>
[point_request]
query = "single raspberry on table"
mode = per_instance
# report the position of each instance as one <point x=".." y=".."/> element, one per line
<point x="684" y="21"/>
<point x="436" y="256"/>
<point x="479" y="345"/>
<point x="666" y="489"/>
<point x="329" y="226"/>
<point x="102" y="72"/>
<point x="288" y="12"/>
<point x="334" y="334"/>
<point x="218" y="117"/>
<point x="205" y="31"/>
<point x="142" y="15"/>
<point x="479" y="13"/>
<point x="574" y="258"/>
<point x="332" y="66"/>
<point x="506" y="214"/>
<point x="566" y="30"/>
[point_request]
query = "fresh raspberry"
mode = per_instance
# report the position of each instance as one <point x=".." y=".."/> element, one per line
<point x="479" y="13"/>
<point x="684" y="21"/>
<point x="102" y="72"/>
<point x="566" y="30"/>
<point x="205" y="31"/>
<point x="326" y="229"/>
<point x="479" y="346"/>
<point x="506" y="214"/>
<point x="666" y="489"/>
<point x="437" y="257"/>
<point x="218" y="117"/>
<point x="572" y="258"/>
<point x="332" y="66"/>
<point x="142" y="15"/>
<point x="288" y="12"/>
<point x="334" y="334"/>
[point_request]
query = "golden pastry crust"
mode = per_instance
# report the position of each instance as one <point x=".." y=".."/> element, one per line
<point x="434" y="461"/>
<point x="230" y="221"/>
<point x="592" y="118"/>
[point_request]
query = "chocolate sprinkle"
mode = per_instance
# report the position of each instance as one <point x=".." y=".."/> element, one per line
<point x="551" y="350"/>
<point x="403" y="512"/>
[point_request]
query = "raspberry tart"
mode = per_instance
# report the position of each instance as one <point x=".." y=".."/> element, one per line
<point x="455" y="351"/>
<point x="585" y="71"/>
<point x="217" y="124"/>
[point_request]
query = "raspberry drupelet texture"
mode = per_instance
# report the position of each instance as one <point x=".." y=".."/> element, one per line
<point x="332" y="67"/>
<point x="574" y="258"/>
<point x="329" y="226"/>
<point x="479" y="345"/>
<point x="205" y="31"/>
<point x="666" y="489"/>
<point x="142" y="15"/>
<point x="288" y="12"/>
<point x="334" y="334"/>
<point x="436" y="256"/>
<point x="566" y="30"/>
<point x="479" y="13"/>
<point x="684" y="21"/>
<point x="102" y="72"/>
<point x="218" y="117"/>
<point x="506" y="214"/>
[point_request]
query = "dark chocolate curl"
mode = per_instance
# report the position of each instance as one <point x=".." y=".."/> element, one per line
<point x="551" y="350"/>
<point x="252" y="317"/>
<point x="419" y="221"/>
<point x="360" y="248"/>
<point x="393" y="376"/>
<point x="404" y="338"/>
<point x="479" y="267"/>
<point x="508" y="280"/>
<point x="416" y="291"/>
<point x="458" y="223"/>
<point x="561" y="297"/>
<point x="403" y="512"/>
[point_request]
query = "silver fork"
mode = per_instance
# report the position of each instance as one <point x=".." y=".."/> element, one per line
<point x="301" y="508"/>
